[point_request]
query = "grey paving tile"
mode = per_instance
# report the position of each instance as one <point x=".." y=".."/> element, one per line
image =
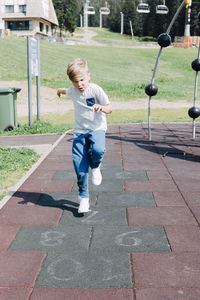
<point x="140" y="199"/>
<point x="133" y="175"/>
<point x="64" y="200"/>
<point x="108" y="172"/>
<point x="111" y="168"/>
<point x="85" y="270"/>
<point x="129" y="239"/>
<point x="111" y="185"/>
<point x="64" y="175"/>
<point x="103" y="216"/>
<point x="37" y="238"/>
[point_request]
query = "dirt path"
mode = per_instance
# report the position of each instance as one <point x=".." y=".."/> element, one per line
<point x="50" y="103"/>
<point x="87" y="39"/>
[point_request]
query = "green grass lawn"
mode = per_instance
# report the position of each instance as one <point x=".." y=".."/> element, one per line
<point x="13" y="165"/>
<point x="53" y="123"/>
<point x="122" y="72"/>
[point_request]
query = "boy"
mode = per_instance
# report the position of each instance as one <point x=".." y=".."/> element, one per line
<point x="91" y="105"/>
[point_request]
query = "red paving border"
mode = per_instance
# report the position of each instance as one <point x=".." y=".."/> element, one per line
<point x="174" y="182"/>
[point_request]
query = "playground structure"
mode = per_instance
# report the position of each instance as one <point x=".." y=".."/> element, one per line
<point x="164" y="40"/>
<point x="186" y="41"/>
<point x="194" y="112"/>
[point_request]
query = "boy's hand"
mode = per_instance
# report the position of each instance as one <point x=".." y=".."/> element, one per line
<point x="107" y="109"/>
<point x="61" y="91"/>
<point x="97" y="107"/>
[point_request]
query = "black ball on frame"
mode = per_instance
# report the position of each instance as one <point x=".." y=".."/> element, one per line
<point x="196" y="65"/>
<point x="151" y="89"/>
<point x="164" y="40"/>
<point x="194" y="112"/>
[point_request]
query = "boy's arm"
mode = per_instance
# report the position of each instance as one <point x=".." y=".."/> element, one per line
<point x="61" y="91"/>
<point x="107" y="109"/>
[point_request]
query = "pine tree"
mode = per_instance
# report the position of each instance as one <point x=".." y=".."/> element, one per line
<point x="114" y="19"/>
<point x="151" y="24"/>
<point x="66" y="11"/>
<point x="195" y="22"/>
<point x="129" y="11"/>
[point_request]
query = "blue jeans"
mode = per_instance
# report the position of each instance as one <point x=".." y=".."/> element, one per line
<point x="87" y="152"/>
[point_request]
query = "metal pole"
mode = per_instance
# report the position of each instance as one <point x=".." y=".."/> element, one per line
<point x="38" y="81"/>
<point x="195" y="98"/>
<point x="29" y="82"/>
<point x="1" y="21"/>
<point x="122" y="22"/>
<point x="131" y="26"/>
<point x="100" y="20"/>
<point x="86" y="20"/>
<point x="149" y="104"/>
<point x="187" y="19"/>
<point x="1" y="29"/>
<point x="149" y="119"/>
<point x="81" y="21"/>
<point x="156" y="65"/>
<point x="175" y="17"/>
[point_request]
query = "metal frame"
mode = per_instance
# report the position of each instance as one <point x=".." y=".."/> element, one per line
<point x="195" y="98"/>
<point x="156" y="65"/>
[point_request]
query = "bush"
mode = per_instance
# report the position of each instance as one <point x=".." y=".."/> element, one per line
<point x="147" y="39"/>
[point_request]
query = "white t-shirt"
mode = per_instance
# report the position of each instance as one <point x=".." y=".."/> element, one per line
<point x="85" y="118"/>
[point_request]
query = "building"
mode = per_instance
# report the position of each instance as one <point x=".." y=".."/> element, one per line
<point x="27" y="17"/>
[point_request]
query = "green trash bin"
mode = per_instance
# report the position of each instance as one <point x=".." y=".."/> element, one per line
<point x="8" y="108"/>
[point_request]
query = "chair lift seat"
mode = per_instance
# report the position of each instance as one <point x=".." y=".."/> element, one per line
<point x="90" y="10"/>
<point x="143" y="8"/>
<point x="162" y="9"/>
<point x="104" y="10"/>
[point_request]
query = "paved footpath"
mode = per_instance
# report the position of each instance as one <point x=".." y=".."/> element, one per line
<point x="141" y="241"/>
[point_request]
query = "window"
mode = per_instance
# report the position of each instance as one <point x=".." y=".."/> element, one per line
<point x="19" y="25"/>
<point x="47" y="28"/>
<point x="41" y="26"/>
<point x="9" y="8"/>
<point x="22" y="9"/>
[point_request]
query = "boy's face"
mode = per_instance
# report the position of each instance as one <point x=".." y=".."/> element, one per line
<point x="81" y="82"/>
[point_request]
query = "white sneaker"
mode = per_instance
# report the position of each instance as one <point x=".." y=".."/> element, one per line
<point x="96" y="176"/>
<point x="84" y="205"/>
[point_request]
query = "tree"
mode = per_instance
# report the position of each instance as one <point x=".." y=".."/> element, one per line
<point x="129" y="11"/>
<point x="71" y="15"/>
<point x="195" y="24"/>
<point x="114" y="19"/>
<point x="66" y="11"/>
<point x="151" y="24"/>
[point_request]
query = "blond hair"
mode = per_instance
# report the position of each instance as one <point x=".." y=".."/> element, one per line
<point x="77" y="68"/>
